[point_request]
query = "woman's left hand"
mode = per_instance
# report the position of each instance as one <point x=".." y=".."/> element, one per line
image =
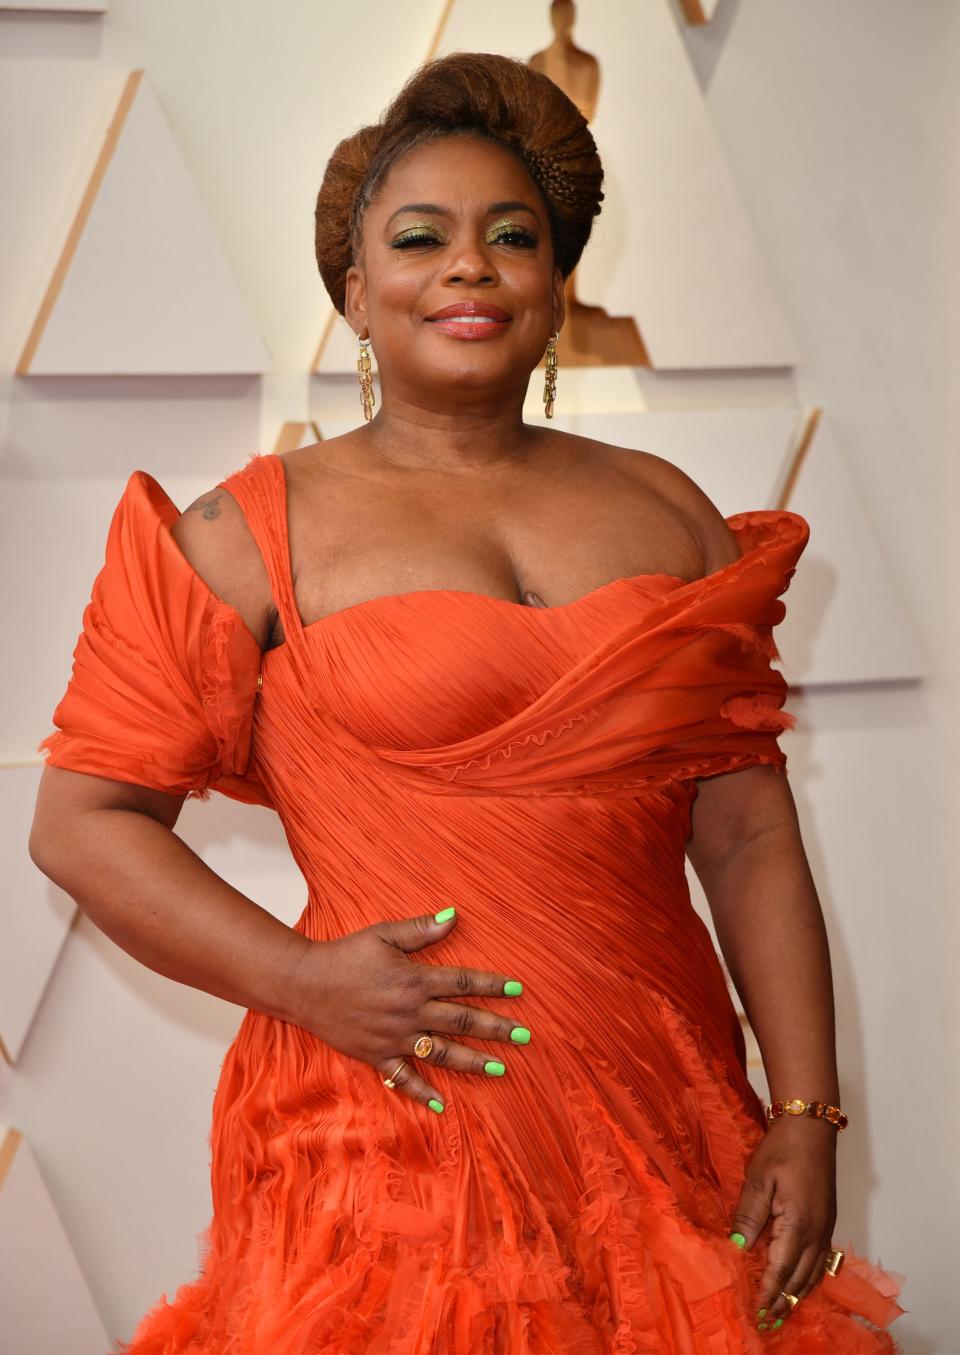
<point x="790" y="1185"/>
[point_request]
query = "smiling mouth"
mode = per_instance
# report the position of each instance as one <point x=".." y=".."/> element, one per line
<point x="471" y="320"/>
<point x="467" y="320"/>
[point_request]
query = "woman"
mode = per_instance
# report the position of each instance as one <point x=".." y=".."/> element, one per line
<point x="490" y="1094"/>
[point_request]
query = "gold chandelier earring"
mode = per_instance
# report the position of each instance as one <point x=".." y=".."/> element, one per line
<point x="550" y="376"/>
<point x="365" y="372"/>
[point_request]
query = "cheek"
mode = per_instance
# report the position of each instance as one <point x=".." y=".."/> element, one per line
<point x="396" y="289"/>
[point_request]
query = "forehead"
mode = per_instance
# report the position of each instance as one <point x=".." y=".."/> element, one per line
<point x="456" y="170"/>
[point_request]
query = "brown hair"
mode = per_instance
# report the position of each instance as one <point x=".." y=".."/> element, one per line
<point x="467" y="93"/>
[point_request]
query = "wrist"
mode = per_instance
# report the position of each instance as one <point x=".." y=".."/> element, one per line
<point x="798" y="1131"/>
<point x="287" y="987"/>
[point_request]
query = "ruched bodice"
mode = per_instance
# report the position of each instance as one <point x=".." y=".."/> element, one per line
<point x="537" y="767"/>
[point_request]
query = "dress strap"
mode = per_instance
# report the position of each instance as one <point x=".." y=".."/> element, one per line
<point x="260" y="488"/>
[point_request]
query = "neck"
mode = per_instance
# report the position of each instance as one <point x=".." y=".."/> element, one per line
<point x="474" y="436"/>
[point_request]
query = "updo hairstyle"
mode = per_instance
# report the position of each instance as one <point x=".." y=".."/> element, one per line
<point x="467" y="93"/>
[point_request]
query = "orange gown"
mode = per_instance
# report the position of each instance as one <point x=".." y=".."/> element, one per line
<point x="536" y="767"/>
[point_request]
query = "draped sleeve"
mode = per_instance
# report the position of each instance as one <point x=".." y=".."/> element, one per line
<point x="165" y="674"/>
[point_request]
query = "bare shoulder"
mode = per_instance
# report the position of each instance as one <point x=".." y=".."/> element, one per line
<point x="683" y="496"/>
<point x="213" y="535"/>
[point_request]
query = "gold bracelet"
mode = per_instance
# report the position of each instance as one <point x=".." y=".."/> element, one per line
<point x="817" y="1110"/>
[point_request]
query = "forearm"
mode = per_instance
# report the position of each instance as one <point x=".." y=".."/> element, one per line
<point x="153" y="896"/>
<point x="771" y="931"/>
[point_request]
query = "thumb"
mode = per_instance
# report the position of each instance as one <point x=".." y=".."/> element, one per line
<point x="752" y="1211"/>
<point x="413" y="933"/>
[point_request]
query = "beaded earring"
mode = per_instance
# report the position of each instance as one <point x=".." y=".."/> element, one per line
<point x="550" y="378"/>
<point x="365" y="371"/>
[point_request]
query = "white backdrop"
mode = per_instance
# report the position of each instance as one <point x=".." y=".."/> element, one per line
<point x="840" y="126"/>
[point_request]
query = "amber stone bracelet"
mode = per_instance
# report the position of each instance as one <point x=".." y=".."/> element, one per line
<point x="817" y="1110"/>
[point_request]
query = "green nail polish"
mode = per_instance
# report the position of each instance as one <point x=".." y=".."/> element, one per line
<point x="520" y="1035"/>
<point x="762" y="1312"/>
<point x="778" y="1323"/>
<point x="512" y="988"/>
<point x="494" y="1068"/>
<point x="763" y="1326"/>
<point x="739" y="1239"/>
<point x="445" y="916"/>
<point x="435" y="1105"/>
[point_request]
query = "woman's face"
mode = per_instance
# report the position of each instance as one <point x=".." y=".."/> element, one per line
<point x="456" y="221"/>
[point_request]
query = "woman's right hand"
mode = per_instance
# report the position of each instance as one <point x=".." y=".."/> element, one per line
<point x="360" y="994"/>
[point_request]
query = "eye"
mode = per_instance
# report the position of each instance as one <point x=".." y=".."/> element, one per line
<point x="512" y="233"/>
<point x="417" y="235"/>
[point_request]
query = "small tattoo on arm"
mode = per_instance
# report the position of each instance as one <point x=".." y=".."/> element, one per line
<point x="210" y="508"/>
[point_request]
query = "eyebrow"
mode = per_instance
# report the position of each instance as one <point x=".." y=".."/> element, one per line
<point x="432" y="209"/>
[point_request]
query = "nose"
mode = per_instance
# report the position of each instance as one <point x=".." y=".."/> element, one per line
<point x="470" y="263"/>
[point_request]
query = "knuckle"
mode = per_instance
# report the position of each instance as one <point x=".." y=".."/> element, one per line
<point x="439" y="1054"/>
<point x="462" y="981"/>
<point x="465" y="1020"/>
<point x="412" y="977"/>
<point x="406" y="1008"/>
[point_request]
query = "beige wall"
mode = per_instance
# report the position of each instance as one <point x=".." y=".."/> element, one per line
<point x="841" y="124"/>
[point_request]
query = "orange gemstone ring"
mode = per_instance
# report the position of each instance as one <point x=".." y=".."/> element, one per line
<point x="423" y="1046"/>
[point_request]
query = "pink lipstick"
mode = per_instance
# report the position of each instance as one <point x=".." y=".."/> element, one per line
<point x="470" y="320"/>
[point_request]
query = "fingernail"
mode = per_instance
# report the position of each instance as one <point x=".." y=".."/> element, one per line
<point x="445" y="916"/>
<point x="763" y="1326"/>
<point x="435" y="1105"/>
<point x="739" y="1239"/>
<point x="762" y="1312"/>
<point x="778" y="1323"/>
<point x="520" y="1035"/>
<point x="494" y="1068"/>
<point x="512" y="988"/>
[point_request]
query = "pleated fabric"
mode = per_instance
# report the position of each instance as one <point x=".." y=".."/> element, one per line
<point x="536" y="767"/>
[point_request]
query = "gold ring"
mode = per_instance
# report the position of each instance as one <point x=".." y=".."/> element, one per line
<point x="791" y="1299"/>
<point x="423" y="1046"/>
<point x="833" y="1262"/>
<point x="388" y="1081"/>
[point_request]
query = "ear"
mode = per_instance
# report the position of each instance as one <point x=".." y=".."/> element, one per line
<point x="355" y="299"/>
<point x="559" y="301"/>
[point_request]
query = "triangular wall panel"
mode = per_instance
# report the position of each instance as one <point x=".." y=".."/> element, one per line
<point x="142" y="286"/>
<point x="845" y="620"/>
<point x="45" y="1305"/>
<point x="61" y="109"/>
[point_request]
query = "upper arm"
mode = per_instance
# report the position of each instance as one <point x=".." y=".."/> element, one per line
<point x="734" y="808"/>
<point x="213" y="535"/>
<point x="63" y="795"/>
